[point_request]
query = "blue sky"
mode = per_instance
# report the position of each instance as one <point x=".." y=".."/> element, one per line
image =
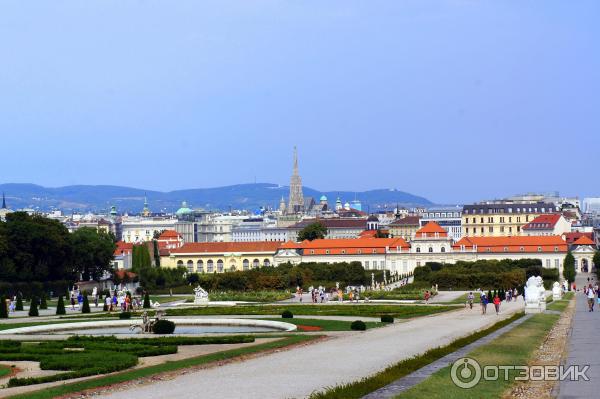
<point x="453" y="100"/>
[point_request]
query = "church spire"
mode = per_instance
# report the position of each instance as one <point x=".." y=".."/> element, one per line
<point x="3" y="201"/>
<point x="295" y="161"/>
<point x="296" y="199"/>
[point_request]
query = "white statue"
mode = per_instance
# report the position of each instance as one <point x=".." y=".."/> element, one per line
<point x="200" y="295"/>
<point x="556" y="291"/>
<point x="535" y="298"/>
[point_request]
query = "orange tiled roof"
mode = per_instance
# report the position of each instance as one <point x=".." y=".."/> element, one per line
<point x="543" y="222"/>
<point x="574" y="236"/>
<point x="221" y="247"/>
<point x="431" y="229"/>
<point x="123" y="248"/>
<point x="169" y="234"/>
<point x="584" y="240"/>
<point x="513" y="244"/>
<point x="351" y="246"/>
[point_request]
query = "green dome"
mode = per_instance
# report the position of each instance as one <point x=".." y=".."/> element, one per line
<point x="184" y="210"/>
<point x="323" y="198"/>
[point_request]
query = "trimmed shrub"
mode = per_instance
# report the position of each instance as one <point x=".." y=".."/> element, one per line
<point x="85" y="308"/>
<point x="286" y="314"/>
<point x="125" y="315"/>
<point x="60" y="306"/>
<point x="19" y="305"/>
<point x="43" y="303"/>
<point x="163" y="327"/>
<point x="358" y="325"/>
<point x="33" y="309"/>
<point x="386" y="318"/>
<point x="3" y="309"/>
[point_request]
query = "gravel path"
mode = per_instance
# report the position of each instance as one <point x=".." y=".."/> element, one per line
<point x="298" y="372"/>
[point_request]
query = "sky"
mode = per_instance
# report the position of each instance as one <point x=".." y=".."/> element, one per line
<point x="454" y="100"/>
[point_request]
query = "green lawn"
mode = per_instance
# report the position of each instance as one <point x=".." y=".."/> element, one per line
<point x="5" y="370"/>
<point x="512" y="348"/>
<point x="165" y="367"/>
<point x="329" y="325"/>
<point x="397" y="311"/>
<point x="560" y="304"/>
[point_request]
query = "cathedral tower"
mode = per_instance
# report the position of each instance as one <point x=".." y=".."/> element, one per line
<point x="296" y="202"/>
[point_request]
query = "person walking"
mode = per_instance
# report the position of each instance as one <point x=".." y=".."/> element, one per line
<point x="427" y="296"/>
<point x="484" y="301"/>
<point x="591" y="296"/>
<point x="470" y="299"/>
<point x="72" y="301"/>
<point x="497" y="304"/>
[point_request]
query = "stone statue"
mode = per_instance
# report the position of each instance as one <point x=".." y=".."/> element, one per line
<point x="556" y="291"/>
<point x="535" y="298"/>
<point x="200" y="295"/>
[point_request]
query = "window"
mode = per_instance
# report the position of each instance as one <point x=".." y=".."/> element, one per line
<point x="539" y="249"/>
<point x="255" y="263"/>
<point x="418" y="249"/>
<point x="220" y="266"/>
<point x="366" y="264"/>
<point x="232" y="265"/>
<point x="556" y="263"/>
<point x="210" y="266"/>
<point x="430" y="249"/>
<point x="327" y="251"/>
<point x="555" y="249"/>
<point x="491" y="229"/>
<point x="548" y="263"/>
<point x="343" y="251"/>
<point x="374" y="251"/>
<point x="246" y="264"/>
<point x="200" y="266"/>
<point x="522" y="249"/>
<point x="443" y="249"/>
<point x="382" y="264"/>
<point x="266" y="263"/>
<point x="179" y="263"/>
<point x="359" y="251"/>
<point x="312" y="251"/>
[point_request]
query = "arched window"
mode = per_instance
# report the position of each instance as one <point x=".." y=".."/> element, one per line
<point x="246" y="264"/>
<point x="418" y="249"/>
<point x="220" y="266"/>
<point x="200" y="266"/>
<point x="210" y="266"/>
<point x="232" y="265"/>
<point x="443" y="249"/>
<point x="255" y="263"/>
<point x="430" y="249"/>
<point x="190" y="266"/>
<point x="266" y="263"/>
<point x="179" y="263"/>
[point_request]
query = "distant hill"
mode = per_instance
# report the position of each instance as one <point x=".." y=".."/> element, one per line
<point x="241" y="196"/>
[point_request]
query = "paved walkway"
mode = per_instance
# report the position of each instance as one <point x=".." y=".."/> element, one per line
<point x="341" y="359"/>
<point x="583" y="347"/>
<point x="402" y="384"/>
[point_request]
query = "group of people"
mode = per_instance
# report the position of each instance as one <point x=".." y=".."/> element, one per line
<point x="511" y="295"/>
<point x="123" y="303"/>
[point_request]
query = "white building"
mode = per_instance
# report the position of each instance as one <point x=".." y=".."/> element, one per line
<point x="449" y="218"/>
<point x="139" y="229"/>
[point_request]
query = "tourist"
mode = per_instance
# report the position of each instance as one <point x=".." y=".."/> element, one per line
<point x="340" y="295"/>
<point x="357" y="295"/>
<point x="108" y="303"/>
<point x="11" y="306"/>
<point x="484" y="301"/>
<point x="497" y="304"/>
<point x="351" y="295"/>
<point x="115" y="301"/>
<point x="73" y="301"/>
<point x="591" y="296"/>
<point x="79" y="300"/>
<point x="470" y="299"/>
<point x="427" y="296"/>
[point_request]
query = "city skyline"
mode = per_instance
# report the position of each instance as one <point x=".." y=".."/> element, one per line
<point x="405" y="95"/>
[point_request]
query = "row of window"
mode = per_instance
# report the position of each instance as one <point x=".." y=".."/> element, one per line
<point x="430" y="249"/>
<point x="491" y="219"/>
<point x="508" y="210"/>
<point x="502" y="229"/>
<point x="220" y="265"/>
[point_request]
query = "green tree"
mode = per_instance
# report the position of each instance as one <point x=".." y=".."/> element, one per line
<point x="85" y="308"/>
<point x="569" y="268"/>
<point x="596" y="262"/>
<point x="60" y="307"/>
<point x="19" y="305"/>
<point x="33" y="308"/>
<point x="312" y="232"/>
<point x="92" y="252"/>
<point x="147" y="301"/>
<point x="43" y="303"/>
<point x="3" y="309"/>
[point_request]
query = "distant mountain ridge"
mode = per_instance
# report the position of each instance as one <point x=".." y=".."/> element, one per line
<point x="251" y="196"/>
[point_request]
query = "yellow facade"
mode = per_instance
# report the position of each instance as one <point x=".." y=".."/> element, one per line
<point x="495" y="225"/>
<point x="217" y="262"/>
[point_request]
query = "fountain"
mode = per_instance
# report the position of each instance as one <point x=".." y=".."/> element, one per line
<point x="200" y="296"/>
<point x="147" y="325"/>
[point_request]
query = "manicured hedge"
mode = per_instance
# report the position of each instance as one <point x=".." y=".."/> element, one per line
<point x="286" y="314"/>
<point x="358" y="325"/>
<point x="163" y="327"/>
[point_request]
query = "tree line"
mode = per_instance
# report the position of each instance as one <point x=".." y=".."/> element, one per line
<point x="34" y="248"/>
